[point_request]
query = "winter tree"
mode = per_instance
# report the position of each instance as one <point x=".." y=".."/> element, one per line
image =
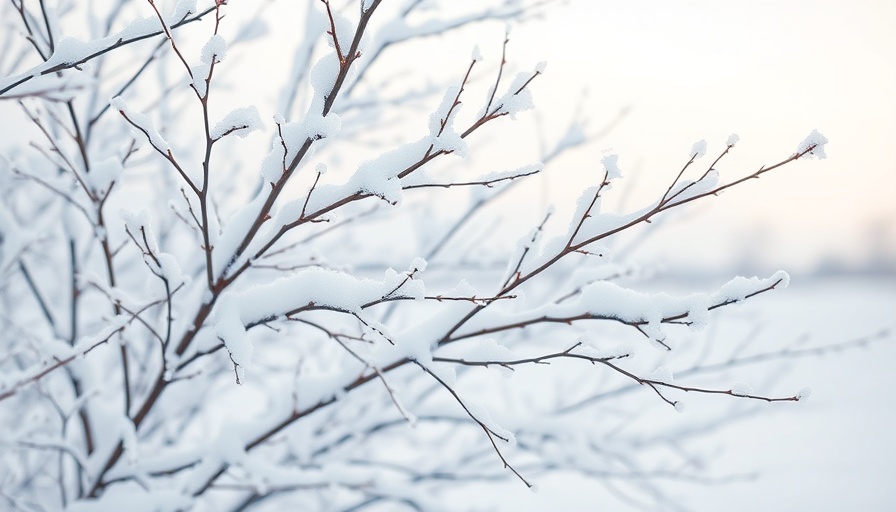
<point x="293" y="291"/>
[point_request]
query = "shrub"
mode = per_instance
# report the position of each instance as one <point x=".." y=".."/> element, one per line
<point x="191" y="322"/>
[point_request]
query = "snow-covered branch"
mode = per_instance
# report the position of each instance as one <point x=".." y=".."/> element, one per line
<point x="149" y="256"/>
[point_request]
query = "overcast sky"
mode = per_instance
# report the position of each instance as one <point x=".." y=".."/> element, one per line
<point x="770" y="71"/>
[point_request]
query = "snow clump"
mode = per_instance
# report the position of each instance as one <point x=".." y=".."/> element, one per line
<point x="816" y="141"/>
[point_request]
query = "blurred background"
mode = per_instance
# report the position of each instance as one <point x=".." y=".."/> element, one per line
<point x="768" y="71"/>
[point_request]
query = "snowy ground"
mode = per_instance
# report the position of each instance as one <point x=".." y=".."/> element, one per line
<point x="834" y="452"/>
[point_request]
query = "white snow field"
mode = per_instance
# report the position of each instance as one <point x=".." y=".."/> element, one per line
<point x="833" y="452"/>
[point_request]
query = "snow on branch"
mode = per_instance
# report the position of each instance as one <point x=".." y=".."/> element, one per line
<point x="143" y="123"/>
<point x="813" y="146"/>
<point x="57" y="354"/>
<point x="240" y="122"/>
<point x="605" y="300"/>
<point x="70" y="53"/>
<point x="518" y="98"/>
<point x="307" y="290"/>
<point x="161" y="264"/>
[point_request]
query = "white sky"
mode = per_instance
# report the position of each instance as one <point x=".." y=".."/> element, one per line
<point x="770" y="71"/>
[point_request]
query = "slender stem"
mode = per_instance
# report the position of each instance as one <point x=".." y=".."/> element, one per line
<point x="113" y="46"/>
<point x="32" y="286"/>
